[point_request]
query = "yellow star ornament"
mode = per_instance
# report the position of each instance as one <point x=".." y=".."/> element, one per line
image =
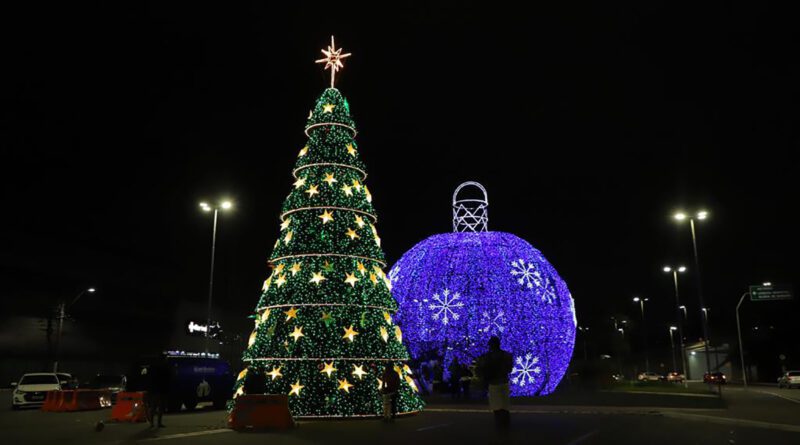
<point x="275" y="373"/>
<point x="348" y="191"/>
<point x="312" y="190"/>
<point x="285" y="223"/>
<point x="291" y="313"/>
<point x="297" y="333"/>
<point x="351" y="150"/>
<point x="350" y="278"/>
<point x="359" y="372"/>
<point x="281" y="280"/>
<point x="299" y="182"/>
<point x="328" y="108"/>
<point x="411" y="383"/>
<point x="326" y="217"/>
<point x="328" y="369"/>
<point x="294" y="269"/>
<point x="360" y="222"/>
<point x="288" y="237"/>
<point x="398" y="334"/>
<point x="352" y="234"/>
<point x="349" y="333"/>
<point x="384" y="334"/>
<point x="345" y="385"/>
<point x="330" y="179"/>
<point x="361" y="268"/>
<point x="265" y="315"/>
<point x="303" y="152"/>
<point x="316" y="278"/>
<point x="296" y="389"/>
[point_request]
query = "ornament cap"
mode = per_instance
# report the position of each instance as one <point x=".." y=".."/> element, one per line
<point x="470" y="214"/>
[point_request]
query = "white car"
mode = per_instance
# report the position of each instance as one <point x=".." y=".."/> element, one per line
<point x="31" y="389"/>
<point x="649" y="377"/>
<point x="789" y="379"/>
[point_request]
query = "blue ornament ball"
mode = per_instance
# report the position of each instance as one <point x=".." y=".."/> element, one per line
<point x="456" y="290"/>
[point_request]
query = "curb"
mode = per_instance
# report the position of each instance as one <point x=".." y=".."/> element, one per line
<point x="733" y="421"/>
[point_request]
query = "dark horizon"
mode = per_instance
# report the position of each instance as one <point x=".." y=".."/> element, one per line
<point x="588" y="129"/>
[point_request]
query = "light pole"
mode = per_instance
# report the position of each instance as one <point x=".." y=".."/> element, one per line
<point x="675" y="271"/>
<point x="224" y="205"/>
<point x="739" y="332"/>
<point x="584" y="333"/>
<point x="62" y="314"/>
<point x="644" y="333"/>
<point x="672" y="345"/>
<point x="700" y="215"/>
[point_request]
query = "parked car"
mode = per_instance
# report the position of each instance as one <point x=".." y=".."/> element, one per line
<point x="714" y="377"/>
<point x="789" y="379"/>
<point x="193" y="380"/>
<point x="113" y="382"/>
<point x="32" y="388"/>
<point x="675" y="377"/>
<point x="67" y="381"/>
<point x="649" y="377"/>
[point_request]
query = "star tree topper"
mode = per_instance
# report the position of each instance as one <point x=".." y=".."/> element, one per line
<point x="333" y="59"/>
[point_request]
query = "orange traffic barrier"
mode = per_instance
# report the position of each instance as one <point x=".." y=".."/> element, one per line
<point x="68" y="401"/>
<point x="129" y="407"/>
<point x="261" y="412"/>
<point x="53" y="400"/>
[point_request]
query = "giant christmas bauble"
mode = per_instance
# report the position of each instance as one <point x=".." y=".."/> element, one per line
<point x="456" y="290"/>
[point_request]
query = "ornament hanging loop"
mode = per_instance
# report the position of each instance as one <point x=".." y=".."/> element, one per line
<point x="470" y="215"/>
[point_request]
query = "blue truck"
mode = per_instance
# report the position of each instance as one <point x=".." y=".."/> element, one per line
<point x="194" y="378"/>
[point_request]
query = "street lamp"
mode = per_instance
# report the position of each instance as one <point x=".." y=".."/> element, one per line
<point x="644" y="333"/>
<point x="672" y="345"/>
<point x="699" y="215"/>
<point x="224" y="205"/>
<point x="675" y="271"/>
<point x="62" y="314"/>
<point x="584" y="331"/>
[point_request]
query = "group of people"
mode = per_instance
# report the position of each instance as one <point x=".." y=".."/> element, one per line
<point x="491" y="372"/>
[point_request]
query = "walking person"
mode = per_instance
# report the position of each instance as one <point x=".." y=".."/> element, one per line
<point x="493" y="369"/>
<point x="157" y="391"/>
<point x="390" y="384"/>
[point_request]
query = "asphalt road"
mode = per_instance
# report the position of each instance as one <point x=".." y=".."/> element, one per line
<point x="758" y="416"/>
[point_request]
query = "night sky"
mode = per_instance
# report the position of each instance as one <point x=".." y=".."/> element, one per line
<point x="588" y="126"/>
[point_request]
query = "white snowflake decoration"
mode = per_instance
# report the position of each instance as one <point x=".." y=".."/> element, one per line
<point x="524" y="370"/>
<point x="527" y="276"/>
<point x="445" y="306"/>
<point x="548" y="292"/>
<point x="492" y="323"/>
<point x="526" y="273"/>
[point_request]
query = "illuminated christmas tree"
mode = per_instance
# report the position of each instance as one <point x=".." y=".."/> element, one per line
<point x="324" y="331"/>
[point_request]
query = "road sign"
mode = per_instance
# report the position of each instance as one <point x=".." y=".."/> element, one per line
<point x="769" y="293"/>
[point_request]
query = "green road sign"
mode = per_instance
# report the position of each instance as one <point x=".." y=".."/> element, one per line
<point x="770" y="293"/>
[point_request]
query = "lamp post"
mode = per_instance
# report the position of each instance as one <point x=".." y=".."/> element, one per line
<point x="62" y="314"/>
<point x="584" y="333"/>
<point x="224" y="205"/>
<point x="644" y="333"/>
<point x="739" y="332"/>
<point x="672" y="345"/>
<point x="675" y="271"/>
<point x="700" y="215"/>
